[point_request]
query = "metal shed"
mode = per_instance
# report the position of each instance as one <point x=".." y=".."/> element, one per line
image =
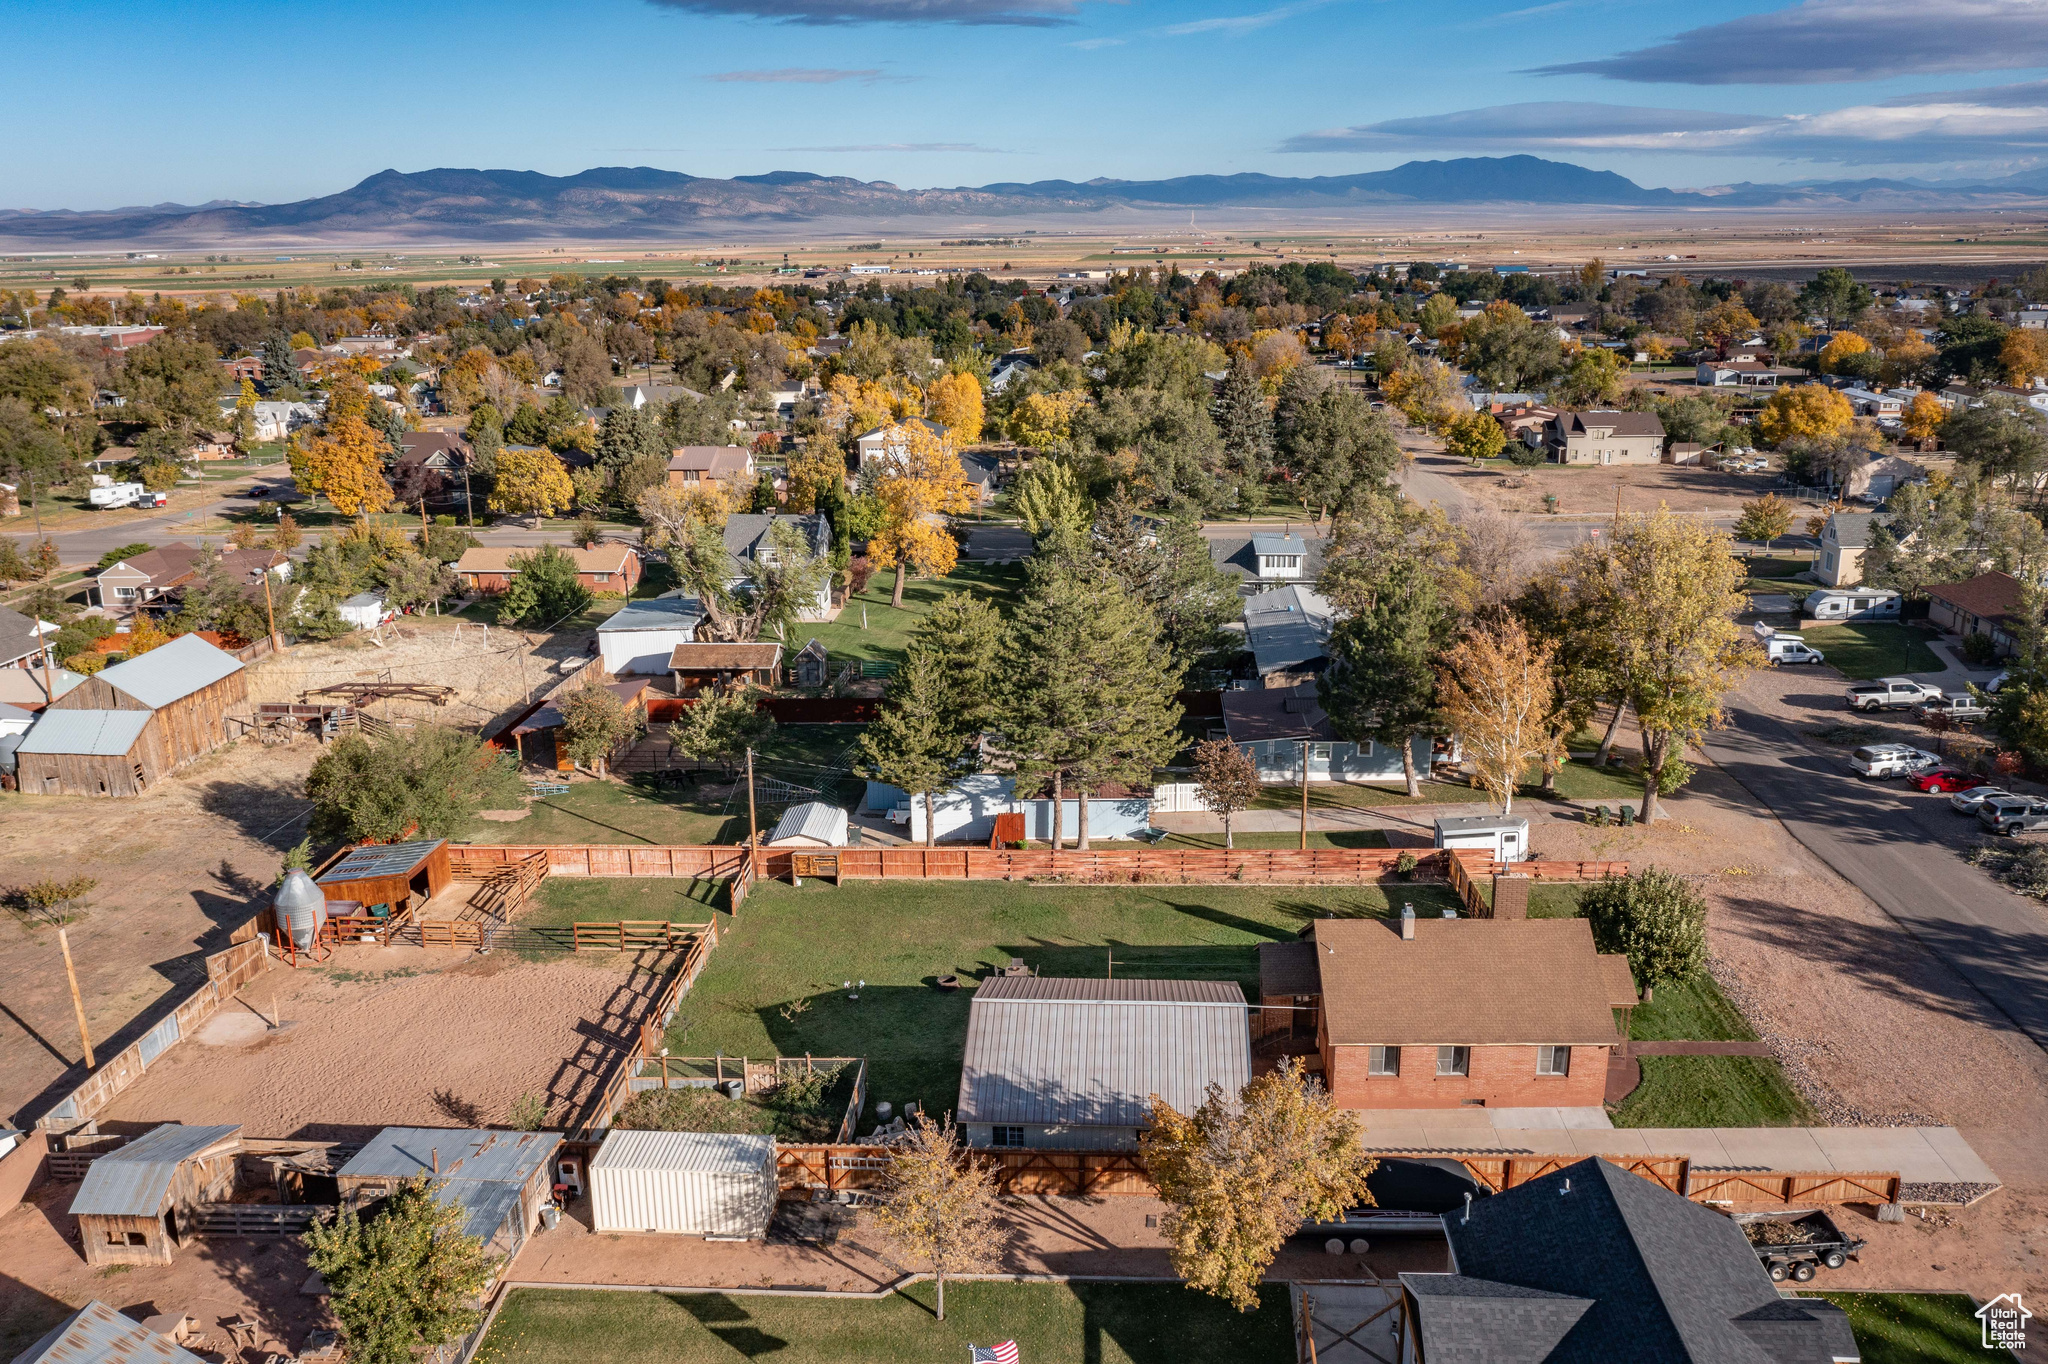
<point x="390" y="874"/>
<point x="97" y="1334"/>
<point x="1506" y="839"/>
<point x="687" y="1183"/>
<point x="1074" y="1063"/>
<point x="498" y="1179"/>
<point x="813" y="824"/>
<point x="137" y="1202"/>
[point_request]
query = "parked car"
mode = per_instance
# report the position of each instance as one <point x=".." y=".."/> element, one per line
<point x="1790" y="649"/>
<point x="1891" y="760"/>
<point x="1947" y="779"/>
<point x="1795" y="1245"/>
<point x="2013" y="814"/>
<point x="1968" y="802"/>
<point x="1890" y="693"/>
<point x="1958" y="710"/>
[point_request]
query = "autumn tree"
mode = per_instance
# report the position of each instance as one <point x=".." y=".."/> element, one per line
<point x="1727" y="324"/>
<point x="403" y="1281"/>
<point x="1475" y="436"/>
<point x="1040" y="421"/>
<point x="1593" y="379"/>
<point x="919" y="480"/>
<point x="1507" y="350"/>
<point x="345" y="463"/>
<point x="940" y="1205"/>
<point x="1813" y="411"/>
<point x="772" y="587"/>
<point x="1835" y="355"/>
<point x="1495" y="688"/>
<point x="1427" y="393"/>
<point x="531" y="481"/>
<point x="1244" y="1171"/>
<point x="670" y="510"/>
<point x="1226" y="780"/>
<point x="955" y="402"/>
<point x="1764" y="519"/>
<point x="596" y="724"/>
<point x="1923" y="417"/>
<point x="815" y="477"/>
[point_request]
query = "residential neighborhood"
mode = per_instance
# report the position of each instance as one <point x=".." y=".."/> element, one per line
<point x="1391" y="810"/>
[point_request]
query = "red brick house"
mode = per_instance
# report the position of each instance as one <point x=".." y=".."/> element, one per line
<point x="610" y="569"/>
<point x="1438" y="1013"/>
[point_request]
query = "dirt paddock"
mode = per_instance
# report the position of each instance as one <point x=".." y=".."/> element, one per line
<point x="400" y="1036"/>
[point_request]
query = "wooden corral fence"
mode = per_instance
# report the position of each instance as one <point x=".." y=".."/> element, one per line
<point x="1469" y="870"/>
<point x="364" y="928"/>
<point x="226" y="972"/>
<point x="652" y="1029"/>
<point x="802" y="1170"/>
<point x="1775" y="1186"/>
<point x="634" y="935"/>
<point x="506" y="887"/>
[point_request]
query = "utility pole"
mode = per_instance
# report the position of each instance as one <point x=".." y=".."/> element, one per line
<point x="753" y="843"/>
<point x="1304" y="795"/>
<point x="269" y="610"/>
<point x="77" y="1004"/>
<point x="35" y="508"/>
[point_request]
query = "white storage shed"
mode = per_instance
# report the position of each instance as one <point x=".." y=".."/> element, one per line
<point x="813" y="824"/>
<point x="1506" y="839"/>
<point x="684" y="1183"/>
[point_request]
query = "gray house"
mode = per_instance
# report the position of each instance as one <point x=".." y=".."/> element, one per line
<point x="746" y="535"/>
<point x="1287" y="630"/>
<point x="1075" y="1063"/>
<point x="1278" y="725"/>
<point x="1267" y="558"/>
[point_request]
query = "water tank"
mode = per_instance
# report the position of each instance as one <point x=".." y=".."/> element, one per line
<point x="301" y="909"/>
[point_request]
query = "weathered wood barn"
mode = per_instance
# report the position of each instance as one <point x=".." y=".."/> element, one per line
<point x="139" y="1203"/>
<point x="119" y="733"/>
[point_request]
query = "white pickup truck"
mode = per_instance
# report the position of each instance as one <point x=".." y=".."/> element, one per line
<point x="1891" y="693"/>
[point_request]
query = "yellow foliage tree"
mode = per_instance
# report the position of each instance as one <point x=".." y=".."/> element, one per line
<point x="531" y="482"/>
<point x="1728" y="324"/>
<point x="346" y="463"/>
<point x="145" y="635"/>
<point x="920" y="481"/>
<point x="1426" y="392"/>
<point x="812" y="471"/>
<point x="1043" y="418"/>
<point x="2024" y="353"/>
<point x="955" y="401"/>
<point x="1814" y="411"/>
<point x="1924" y="416"/>
<point x="1841" y="347"/>
<point x="858" y="405"/>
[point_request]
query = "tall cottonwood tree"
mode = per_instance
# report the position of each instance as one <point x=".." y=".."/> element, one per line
<point x="1496" y="690"/>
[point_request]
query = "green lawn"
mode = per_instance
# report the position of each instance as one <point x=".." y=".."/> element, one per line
<point x="1578" y="779"/>
<point x="1916" y="1328"/>
<point x="1051" y="1323"/>
<point x="565" y="900"/>
<point x="1706" y="1091"/>
<point x="888" y="628"/>
<point x="789" y="945"/>
<point x="1874" y="650"/>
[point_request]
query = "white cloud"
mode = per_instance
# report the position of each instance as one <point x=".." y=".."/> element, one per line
<point x="1241" y="23"/>
<point x="1824" y="41"/>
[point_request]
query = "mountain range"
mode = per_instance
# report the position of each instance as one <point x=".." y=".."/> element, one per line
<point x="618" y="202"/>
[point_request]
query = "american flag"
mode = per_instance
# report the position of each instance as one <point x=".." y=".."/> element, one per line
<point x="1005" y="1353"/>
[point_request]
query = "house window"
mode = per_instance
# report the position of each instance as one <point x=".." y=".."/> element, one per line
<point x="1319" y="753"/>
<point x="1383" y="1061"/>
<point x="1006" y="1136"/>
<point x="124" y="594"/>
<point x="1553" y="1060"/>
<point x="1453" y="1060"/>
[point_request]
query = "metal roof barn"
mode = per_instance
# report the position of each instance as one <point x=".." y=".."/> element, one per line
<point x="97" y="733"/>
<point x="172" y="670"/>
<point x="97" y="1334"/>
<point x="1092" y="1053"/>
<point x="497" y="1178"/>
<point x="131" y="1180"/>
<point x="687" y="1183"/>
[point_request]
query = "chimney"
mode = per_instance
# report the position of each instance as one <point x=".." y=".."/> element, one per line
<point x="1407" y="923"/>
<point x="437" y="1160"/>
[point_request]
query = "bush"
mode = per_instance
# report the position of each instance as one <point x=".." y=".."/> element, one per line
<point x="1405" y="864"/>
<point x="1658" y="919"/>
<point x="1979" y="650"/>
<point x="1524" y="455"/>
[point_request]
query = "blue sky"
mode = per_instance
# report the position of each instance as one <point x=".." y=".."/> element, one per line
<point x="180" y="101"/>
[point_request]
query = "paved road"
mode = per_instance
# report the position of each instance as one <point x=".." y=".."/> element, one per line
<point x="1895" y="846"/>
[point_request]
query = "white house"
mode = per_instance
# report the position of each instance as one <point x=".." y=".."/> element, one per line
<point x="879" y="442"/>
<point x="1280" y="558"/>
<point x="966" y="812"/>
<point x="641" y="636"/>
<point x="747" y="537"/>
<point x="1280" y="726"/>
<point x="365" y="610"/>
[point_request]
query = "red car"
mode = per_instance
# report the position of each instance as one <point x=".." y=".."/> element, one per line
<point x="1946" y="779"/>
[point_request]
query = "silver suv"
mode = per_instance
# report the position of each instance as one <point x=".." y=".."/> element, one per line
<point x="2013" y="814"/>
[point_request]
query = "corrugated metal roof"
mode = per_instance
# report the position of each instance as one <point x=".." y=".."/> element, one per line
<point x="131" y="1181"/>
<point x="172" y="670"/>
<point x="683" y="1152"/>
<point x="383" y="859"/>
<point x="812" y="819"/>
<point x="97" y="1334"/>
<point x="1092" y="1053"/>
<point x="485" y="1204"/>
<point x="401" y="1152"/>
<point x="655" y="613"/>
<point x="96" y="733"/>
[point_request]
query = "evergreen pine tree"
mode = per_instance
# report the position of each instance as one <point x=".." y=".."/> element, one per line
<point x="915" y="743"/>
<point x="1381" y="683"/>
<point x="278" y="370"/>
<point x="1246" y="425"/>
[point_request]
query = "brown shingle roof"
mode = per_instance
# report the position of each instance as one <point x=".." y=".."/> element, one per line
<point x="723" y="657"/>
<point x="1463" y="982"/>
<point x="1275" y="713"/>
<point x="1988" y="596"/>
<point x="1620" y="423"/>
<point x="601" y="559"/>
<point x="719" y="461"/>
<point x="1288" y="968"/>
